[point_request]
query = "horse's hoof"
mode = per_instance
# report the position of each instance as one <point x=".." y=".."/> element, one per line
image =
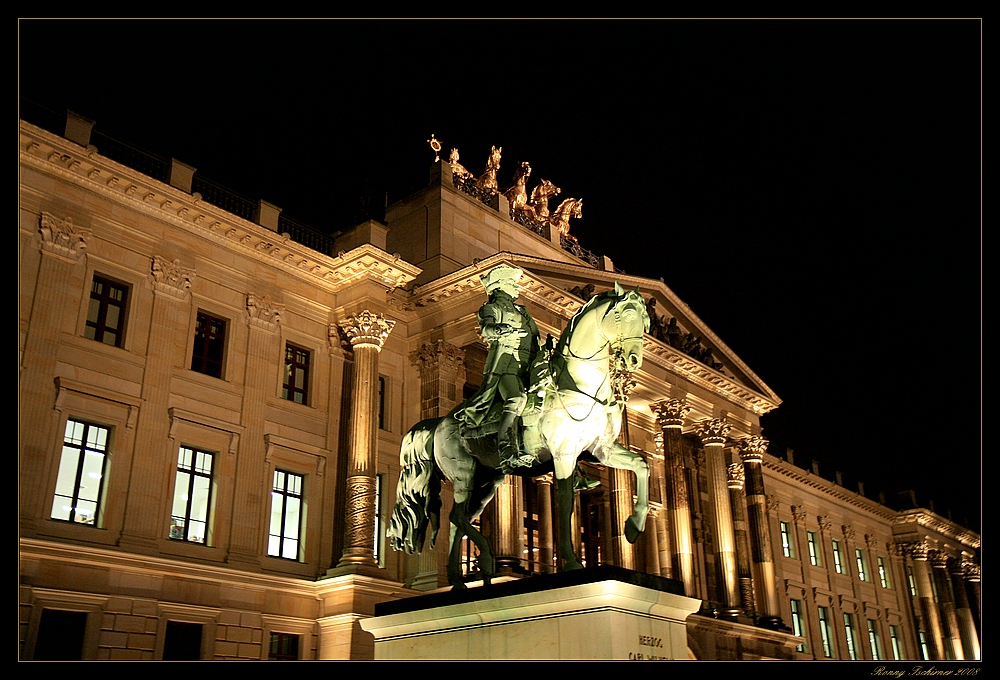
<point x="632" y="532"/>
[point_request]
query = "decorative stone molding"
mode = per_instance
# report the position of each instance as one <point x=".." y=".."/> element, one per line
<point x="367" y="329"/>
<point x="825" y="523"/>
<point x="61" y="237"/>
<point x="262" y="313"/>
<point x="771" y="504"/>
<point x="939" y="559"/>
<point x="713" y="432"/>
<point x="170" y="277"/>
<point x="972" y="571"/>
<point x="919" y="550"/>
<point x="360" y="530"/>
<point x="798" y="514"/>
<point x="871" y="541"/>
<point x="848" y="532"/>
<point x="753" y="448"/>
<point x="670" y="412"/>
<point x="438" y="354"/>
<point x="734" y="476"/>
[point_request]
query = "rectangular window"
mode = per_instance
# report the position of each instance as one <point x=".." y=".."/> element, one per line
<point x="813" y="548"/>
<point x="873" y="640"/>
<point x="80" y="483"/>
<point x="897" y="646"/>
<point x="925" y="653"/>
<point x="209" y="345"/>
<point x="296" y="386"/>
<point x="106" y="313"/>
<point x="838" y="561"/>
<point x="192" y="496"/>
<point x="786" y="540"/>
<point x="913" y="582"/>
<point x="859" y="557"/>
<point x="379" y="525"/>
<point x="825" y="633"/>
<point x="798" y="627"/>
<point x="60" y="635"/>
<point x="286" y="515"/>
<point x="284" y="647"/>
<point x="182" y="641"/>
<point x="381" y="403"/>
<point x="852" y="650"/>
<point x="883" y="572"/>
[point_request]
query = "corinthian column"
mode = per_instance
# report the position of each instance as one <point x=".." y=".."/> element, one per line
<point x="736" y="480"/>
<point x="752" y="452"/>
<point x="61" y="244"/>
<point x="670" y="415"/>
<point x="966" y="625"/>
<point x="367" y="333"/>
<point x="713" y="437"/>
<point x="946" y="605"/>
<point x="920" y="552"/>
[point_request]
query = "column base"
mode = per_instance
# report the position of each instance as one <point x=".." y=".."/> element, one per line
<point x="773" y="623"/>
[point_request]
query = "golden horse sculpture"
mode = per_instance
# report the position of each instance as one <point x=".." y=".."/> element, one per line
<point x="538" y="207"/>
<point x="488" y="181"/>
<point x="571" y="207"/>
<point x="517" y="195"/>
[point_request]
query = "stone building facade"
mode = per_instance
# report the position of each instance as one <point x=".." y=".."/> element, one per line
<point x="211" y="411"/>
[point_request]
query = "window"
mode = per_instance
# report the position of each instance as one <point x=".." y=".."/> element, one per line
<point x="859" y="556"/>
<point x="883" y="572"/>
<point x="381" y="402"/>
<point x="786" y="540"/>
<point x="284" y="647"/>
<point x="106" y="314"/>
<point x="873" y="640"/>
<point x="60" y="635"/>
<point x="286" y="515"/>
<point x="838" y="562"/>
<point x="192" y="496"/>
<point x="296" y="387"/>
<point x="824" y="632"/>
<point x="182" y="641"/>
<point x="852" y="650"/>
<point x="897" y="648"/>
<point x="813" y="548"/>
<point x="912" y="581"/>
<point x="209" y="345"/>
<point x="797" y="623"/>
<point x="925" y="653"/>
<point x="379" y="528"/>
<point x="82" y="467"/>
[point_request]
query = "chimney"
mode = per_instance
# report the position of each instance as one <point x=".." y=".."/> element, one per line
<point x="181" y="175"/>
<point x="840" y="478"/>
<point x="815" y="467"/>
<point x="78" y="128"/>
<point x="267" y="215"/>
<point x="861" y="488"/>
<point x="790" y="456"/>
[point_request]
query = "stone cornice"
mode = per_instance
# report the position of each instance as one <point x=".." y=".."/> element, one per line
<point x="934" y="522"/>
<point x="54" y="155"/>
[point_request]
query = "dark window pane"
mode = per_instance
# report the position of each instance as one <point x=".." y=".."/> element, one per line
<point x="60" y="635"/>
<point x="183" y="641"/>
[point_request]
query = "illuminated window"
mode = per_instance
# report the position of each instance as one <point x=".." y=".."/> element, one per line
<point x="859" y="557"/>
<point x="897" y="648"/>
<point x="80" y="484"/>
<point x="296" y="385"/>
<point x="786" y="540"/>
<point x="883" y="572"/>
<point x="825" y="633"/>
<point x="813" y="548"/>
<point x="912" y="581"/>
<point x="838" y="561"/>
<point x="284" y="647"/>
<point x="192" y="496"/>
<point x="925" y="653"/>
<point x="798" y="624"/>
<point x="209" y="345"/>
<point x="286" y="515"/>
<point x="106" y="313"/>
<point x="852" y="650"/>
<point x="873" y="640"/>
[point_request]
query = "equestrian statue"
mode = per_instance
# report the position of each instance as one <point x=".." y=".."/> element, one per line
<point x="539" y="410"/>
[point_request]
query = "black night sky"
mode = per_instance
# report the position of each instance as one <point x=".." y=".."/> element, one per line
<point x="812" y="189"/>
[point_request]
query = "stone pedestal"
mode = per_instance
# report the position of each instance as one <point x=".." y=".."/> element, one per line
<point x="602" y="613"/>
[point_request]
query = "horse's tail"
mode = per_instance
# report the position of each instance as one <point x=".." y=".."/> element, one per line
<point x="418" y="494"/>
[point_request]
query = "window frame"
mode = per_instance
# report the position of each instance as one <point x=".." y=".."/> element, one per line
<point x="200" y="352"/>
<point x="289" y="389"/>
<point x="104" y="301"/>
<point x="825" y="631"/>
<point x="852" y="642"/>
<point x="862" y="564"/>
<point x="279" y="635"/>
<point x="813" y="546"/>
<point x="895" y="642"/>
<point x="787" y="546"/>
<point x="285" y="494"/>
<point x="838" y="556"/>
<point x="874" y="640"/>
<point x="383" y="401"/>
<point x="82" y="450"/>
<point x="883" y="572"/>
<point x="193" y="474"/>
<point x="798" y="622"/>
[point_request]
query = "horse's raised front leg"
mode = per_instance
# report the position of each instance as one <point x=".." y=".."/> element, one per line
<point x="622" y="459"/>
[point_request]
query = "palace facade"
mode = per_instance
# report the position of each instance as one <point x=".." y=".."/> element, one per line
<point x="212" y="400"/>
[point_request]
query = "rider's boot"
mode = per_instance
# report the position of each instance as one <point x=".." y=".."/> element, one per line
<point x="508" y="443"/>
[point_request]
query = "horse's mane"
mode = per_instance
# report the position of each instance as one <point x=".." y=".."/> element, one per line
<point x="597" y="300"/>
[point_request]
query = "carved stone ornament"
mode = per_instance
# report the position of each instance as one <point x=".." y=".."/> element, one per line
<point x="713" y="432"/>
<point x="871" y="541"/>
<point x="670" y="412"/>
<point x="771" y="504"/>
<point x="367" y="329"/>
<point x="735" y="476"/>
<point x="753" y="448"/>
<point x="263" y="313"/>
<point x="972" y="570"/>
<point x="798" y="514"/>
<point x="848" y="532"/>
<point x="825" y="523"/>
<point x="939" y="559"/>
<point x="170" y="277"/>
<point x="920" y="550"/>
<point x="60" y="237"/>
<point x="438" y="354"/>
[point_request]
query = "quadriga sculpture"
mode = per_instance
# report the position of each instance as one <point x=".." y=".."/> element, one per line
<point x="572" y="408"/>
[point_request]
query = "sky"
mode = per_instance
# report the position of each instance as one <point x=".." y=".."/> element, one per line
<point x="811" y="189"/>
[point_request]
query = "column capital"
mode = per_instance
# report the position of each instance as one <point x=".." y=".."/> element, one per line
<point x="670" y="412"/>
<point x="753" y="448"/>
<point x="62" y="237"/>
<point x="825" y="523"/>
<point x="798" y="514"/>
<point x="262" y="313"/>
<point x="735" y="477"/>
<point x="367" y="329"/>
<point x="170" y="277"/>
<point x="939" y="558"/>
<point x="871" y="541"/>
<point x="971" y="570"/>
<point x="438" y="353"/>
<point x="918" y="550"/>
<point x="713" y="432"/>
<point x="848" y="532"/>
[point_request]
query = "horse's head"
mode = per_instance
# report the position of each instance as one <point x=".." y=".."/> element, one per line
<point x="624" y="324"/>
